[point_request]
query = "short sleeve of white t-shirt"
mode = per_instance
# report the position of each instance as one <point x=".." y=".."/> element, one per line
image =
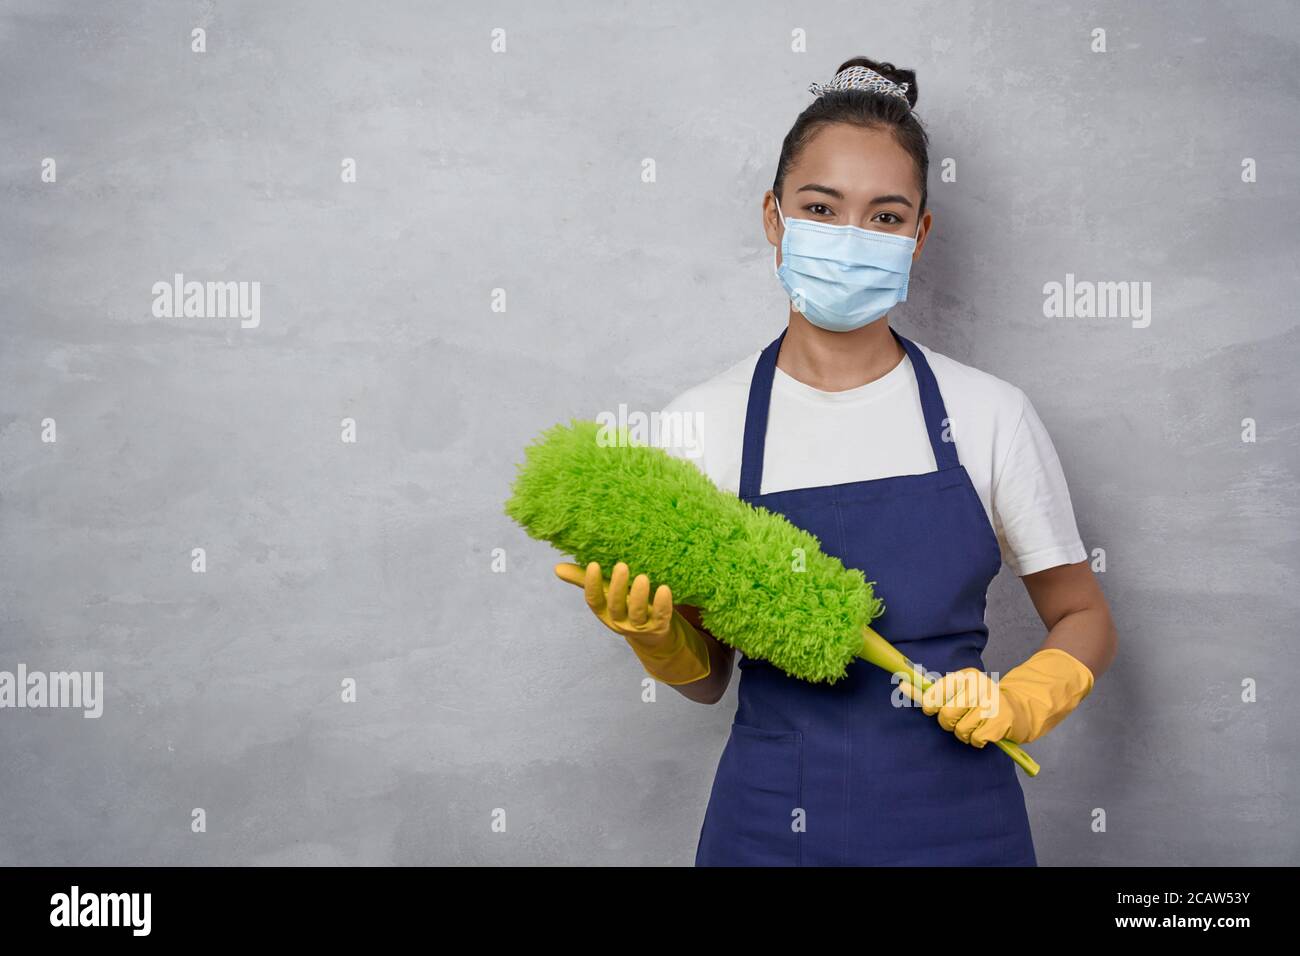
<point x="877" y="430"/>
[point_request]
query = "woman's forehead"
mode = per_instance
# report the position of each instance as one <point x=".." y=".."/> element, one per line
<point x="853" y="159"/>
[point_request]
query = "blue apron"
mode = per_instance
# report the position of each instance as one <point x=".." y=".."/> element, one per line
<point x="834" y="774"/>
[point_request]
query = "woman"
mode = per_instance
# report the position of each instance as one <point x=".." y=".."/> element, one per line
<point x="923" y="472"/>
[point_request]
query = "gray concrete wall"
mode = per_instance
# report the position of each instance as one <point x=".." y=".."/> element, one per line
<point x="522" y="171"/>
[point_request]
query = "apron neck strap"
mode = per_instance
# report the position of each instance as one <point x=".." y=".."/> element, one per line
<point x="760" y="399"/>
<point x="932" y="406"/>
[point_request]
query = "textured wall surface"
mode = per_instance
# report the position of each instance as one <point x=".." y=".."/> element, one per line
<point x="522" y="171"/>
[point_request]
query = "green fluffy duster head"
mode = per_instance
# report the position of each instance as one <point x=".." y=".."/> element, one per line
<point x="599" y="497"/>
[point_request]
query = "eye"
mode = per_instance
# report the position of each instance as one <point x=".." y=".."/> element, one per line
<point x="893" y="218"/>
<point x="819" y="209"/>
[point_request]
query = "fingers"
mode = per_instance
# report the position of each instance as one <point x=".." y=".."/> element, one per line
<point x="914" y="693"/>
<point x="949" y="698"/>
<point x="663" y="609"/>
<point x="617" y="596"/>
<point x="594" y="588"/>
<point x="960" y="694"/>
<point x="938" y="693"/>
<point x="990" y="731"/>
<point x="968" y="724"/>
<point x="638" y="601"/>
<point x="614" y="599"/>
<point x="995" y="719"/>
<point x="966" y="704"/>
<point x="571" y="573"/>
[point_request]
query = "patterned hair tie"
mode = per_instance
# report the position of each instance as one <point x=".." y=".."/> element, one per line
<point x="861" y="78"/>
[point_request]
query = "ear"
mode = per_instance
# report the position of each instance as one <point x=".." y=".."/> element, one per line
<point x="926" y="222"/>
<point x="771" y="221"/>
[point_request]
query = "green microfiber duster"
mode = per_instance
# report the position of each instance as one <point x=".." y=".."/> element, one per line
<point x="762" y="585"/>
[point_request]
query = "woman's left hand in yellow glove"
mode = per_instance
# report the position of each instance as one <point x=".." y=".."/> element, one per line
<point x="1026" y="703"/>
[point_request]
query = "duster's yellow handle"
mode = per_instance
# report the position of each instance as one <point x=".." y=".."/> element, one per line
<point x="878" y="651"/>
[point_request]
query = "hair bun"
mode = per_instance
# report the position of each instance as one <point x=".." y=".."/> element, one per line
<point x="869" y="76"/>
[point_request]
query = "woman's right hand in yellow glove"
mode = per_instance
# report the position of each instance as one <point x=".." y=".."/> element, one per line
<point x="669" y="647"/>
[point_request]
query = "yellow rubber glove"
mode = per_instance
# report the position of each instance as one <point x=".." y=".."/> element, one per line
<point x="669" y="647"/>
<point x="1029" y="701"/>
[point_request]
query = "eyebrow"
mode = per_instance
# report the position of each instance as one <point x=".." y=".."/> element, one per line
<point x="836" y="194"/>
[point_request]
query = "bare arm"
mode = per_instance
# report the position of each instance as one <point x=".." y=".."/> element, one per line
<point x="1071" y="605"/>
<point x="708" y="690"/>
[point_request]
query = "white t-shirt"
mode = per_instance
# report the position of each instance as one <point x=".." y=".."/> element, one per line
<point x="877" y="430"/>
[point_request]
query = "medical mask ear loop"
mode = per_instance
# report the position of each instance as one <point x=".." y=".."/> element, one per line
<point x="775" y="271"/>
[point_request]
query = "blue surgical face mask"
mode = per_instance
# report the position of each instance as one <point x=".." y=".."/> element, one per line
<point x="843" y="276"/>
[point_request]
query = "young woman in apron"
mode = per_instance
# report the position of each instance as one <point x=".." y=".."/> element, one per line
<point x="850" y="773"/>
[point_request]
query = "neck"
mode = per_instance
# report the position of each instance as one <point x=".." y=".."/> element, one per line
<point x="835" y="361"/>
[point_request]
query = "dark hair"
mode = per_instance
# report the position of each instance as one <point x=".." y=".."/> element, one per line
<point x="866" y="109"/>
